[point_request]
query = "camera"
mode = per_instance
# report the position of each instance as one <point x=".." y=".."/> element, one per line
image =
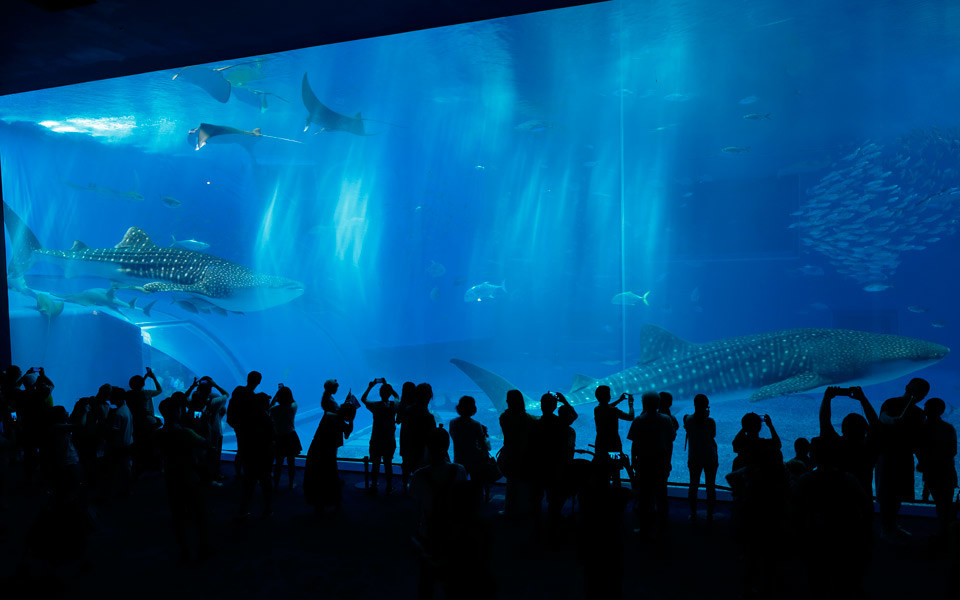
<point x="197" y="414"/>
<point x="13" y="415"/>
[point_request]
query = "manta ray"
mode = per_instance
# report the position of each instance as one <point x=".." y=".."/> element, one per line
<point x="328" y="120"/>
<point x="138" y="263"/>
<point x="208" y="133"/>
<point x="768" y="365"/>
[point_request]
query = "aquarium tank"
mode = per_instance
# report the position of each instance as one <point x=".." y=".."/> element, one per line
<point x="747" y="200"/>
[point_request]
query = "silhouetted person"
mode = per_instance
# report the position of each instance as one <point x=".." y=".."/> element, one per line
<point x="936" y="453"/>
<point x="471" y="444"/>
<point x="321" y="478"/>
<point x="515" y="455"/>
<point x="832" y="517"/>
<point x="652" y="434"/>
<point x="749" y="446"/>
<point x="408" y="395"/>
<point x="608" y="447"/>
<point x="465" y="567"/>
<point x="208" y="409"/>
<point x="145" y="422"/>
<point x="666" y="402"/>
<point x="898" y="435"/>
<point x="418" y="425"/>
<point x="759" y="485"/>
<point x="383" y="440"/>
<point x="183" y="477"/>
<point x="433" y="485"/>
<point x="31" y="404"/>
<point x="855" y="446"/>
<point x="548" y="442"/>
<point x="241" y="403"/>
<point x="257" y="455"/>
<point x="701" y="434"/>
<point x="63" y="459"/>
<point x="283" y="413"/>
<point x="119" y="441"/>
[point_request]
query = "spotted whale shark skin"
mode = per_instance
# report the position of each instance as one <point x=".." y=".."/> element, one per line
<point x="766" y="365"/>
<point x="139" y="263"/>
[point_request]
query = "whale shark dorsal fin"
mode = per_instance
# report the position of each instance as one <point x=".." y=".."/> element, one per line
<point x="581" y="381"/>
<point x="135" y="238"/>
<point x="78" y="245"/>
<point x="657" y="343"/>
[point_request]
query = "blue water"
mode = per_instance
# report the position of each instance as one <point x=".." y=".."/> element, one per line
<point x="567" y="156"/>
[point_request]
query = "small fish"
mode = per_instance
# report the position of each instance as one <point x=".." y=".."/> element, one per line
<point x="918" y="309"/>
<point x="170" y="201"/>
<point x="757" y="117"/>
<point x="630" y="299"/>
<point x="479" y="167"/>
<point x="677" y="97"/>
<point x="484" y="291"/>
<point x="876" y="287"/>
<point x="810" y="270"/>
<point x="533" y="126"/>
<point x="735" y="149"/>
<point x="938" y="324"/>
<point x="194" y="245"/>
<point x="436" y="269"/>
<point x="435" y="294"/>
<point x="748" y="100"/>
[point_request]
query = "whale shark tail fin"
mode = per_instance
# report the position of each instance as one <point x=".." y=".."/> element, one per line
<point x="494" y="386"/>
<point x="23" y="242"/>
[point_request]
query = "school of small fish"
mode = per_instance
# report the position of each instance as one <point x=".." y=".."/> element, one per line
<point x="879" y="202"/>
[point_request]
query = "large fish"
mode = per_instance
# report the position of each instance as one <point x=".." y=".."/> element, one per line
<point x="138" y="263"/>
<point x="769" y="365"/>
<point x="326" y="119"/>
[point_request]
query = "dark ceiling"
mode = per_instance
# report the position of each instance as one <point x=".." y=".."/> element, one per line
<point x="48" y="43"/>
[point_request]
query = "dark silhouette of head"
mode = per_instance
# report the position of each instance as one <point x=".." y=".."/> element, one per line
<point x="408" y="392"/>
<point x="934" y="408"/>
<point x="467" y="406"/>
<point x="330" y="386"/>
<point x="386" y="390"/>
<point x="118" y="396"/>
<point x="567" y="415"/>
<point x="515" y="401"/>
<point x="548" y="403"/>
<point x="424" y="394"/>
<point x="666" y="401"/>
<point x="603" y="394"/>
<point x="751" y="423"/>
<point x="253" y="379"/>
<point x="854" y="427"/>
<point x="136" y="383"/>
<point x="700" y="403"/>
<point x="438" y="443"/>
<point x="12" y="374"/>
<point x="284" y="396"/>
<point x="918" y="388"/>
<point x="171" y="409"/>
<point x="650" y="401"/>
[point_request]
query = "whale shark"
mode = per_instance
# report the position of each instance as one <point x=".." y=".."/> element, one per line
<point x="767" y="365"/>
<point x="138" y="263"/>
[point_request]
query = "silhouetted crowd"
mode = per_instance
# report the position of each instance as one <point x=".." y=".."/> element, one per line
<point x="820" y="501"/>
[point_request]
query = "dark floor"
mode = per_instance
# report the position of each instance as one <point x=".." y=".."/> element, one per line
<point x="365" y="552"/>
